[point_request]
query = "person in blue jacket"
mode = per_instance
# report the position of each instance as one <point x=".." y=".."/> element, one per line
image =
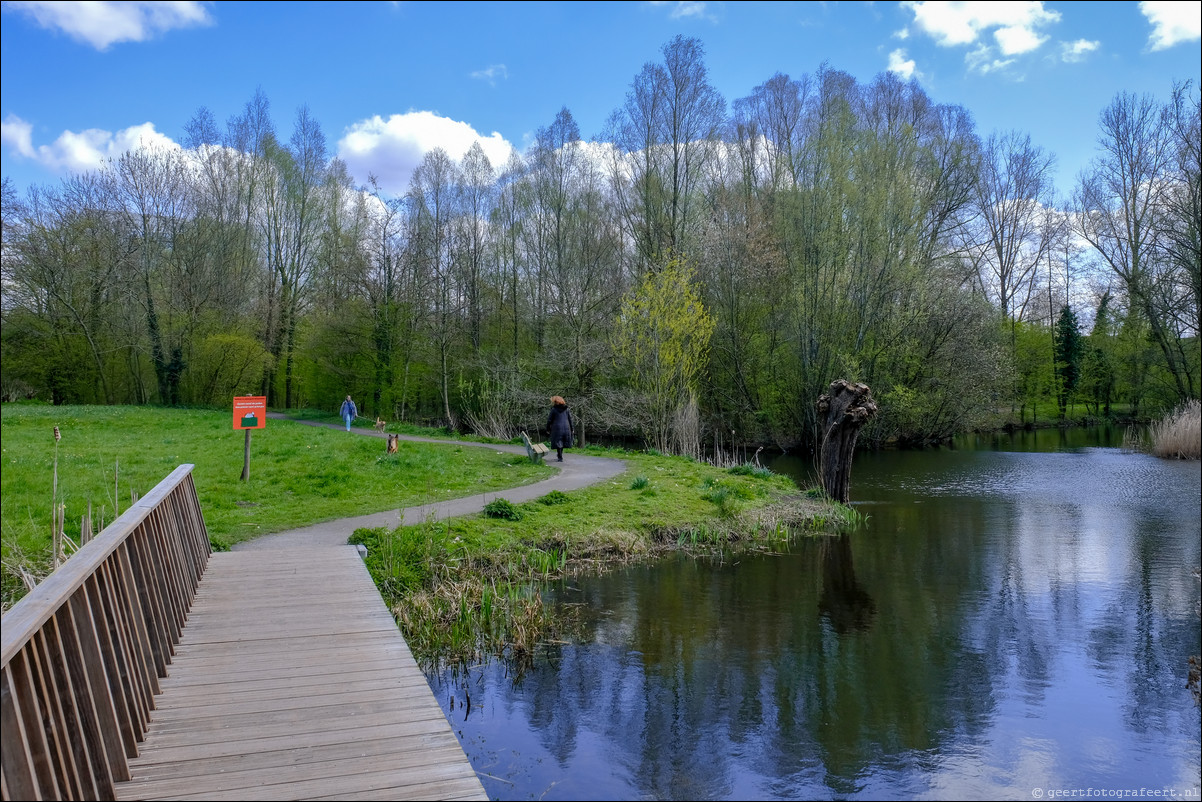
<point x="348" y="412"/>
<point x="559" y="425"/>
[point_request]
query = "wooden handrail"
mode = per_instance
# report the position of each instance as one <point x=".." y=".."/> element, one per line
<point x="83" y="651"/>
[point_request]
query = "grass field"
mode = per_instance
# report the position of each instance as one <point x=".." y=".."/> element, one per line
<point x="299" y="474"/>
<point x="459" y="587"/>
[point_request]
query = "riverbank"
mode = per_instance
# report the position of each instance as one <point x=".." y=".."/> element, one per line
<point x="468" y="587"/>
<point x="1007" y="603"/>
<point x="466" y="582"/>
<point x="317" y="479"/>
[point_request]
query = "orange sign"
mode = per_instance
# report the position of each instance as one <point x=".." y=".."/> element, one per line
<point x="250" y="412"/>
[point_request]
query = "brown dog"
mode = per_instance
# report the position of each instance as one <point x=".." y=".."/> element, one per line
<point x="380" y="424"/>
<point x="393" y="439"/>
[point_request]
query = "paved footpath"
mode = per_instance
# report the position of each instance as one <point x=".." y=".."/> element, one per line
<point x="292" y="681"/>
<point x="574" y="472"/>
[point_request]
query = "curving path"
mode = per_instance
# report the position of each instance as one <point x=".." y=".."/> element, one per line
<point x="575" y="472"/>
<point x="291" y="679"/>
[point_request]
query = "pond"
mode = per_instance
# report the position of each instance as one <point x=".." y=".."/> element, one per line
<point x="1013" y="620"/>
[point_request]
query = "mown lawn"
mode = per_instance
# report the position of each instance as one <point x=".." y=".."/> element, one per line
<point x="299" y="474"/>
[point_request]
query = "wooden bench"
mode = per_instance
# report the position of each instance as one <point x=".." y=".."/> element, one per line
<point x="534" y="450"/>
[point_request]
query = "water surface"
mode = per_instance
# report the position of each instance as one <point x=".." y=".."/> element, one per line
<point x="1013" y="619"/>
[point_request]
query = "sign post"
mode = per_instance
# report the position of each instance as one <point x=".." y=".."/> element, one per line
<point x="250" y="412"/>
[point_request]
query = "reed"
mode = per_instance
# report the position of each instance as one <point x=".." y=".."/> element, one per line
<point x="1178" y="435"/>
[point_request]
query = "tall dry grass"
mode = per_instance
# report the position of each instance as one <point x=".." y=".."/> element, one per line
<point x="1179" y="434"/>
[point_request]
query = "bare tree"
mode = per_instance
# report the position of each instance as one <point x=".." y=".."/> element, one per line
<point x="475" y="192"/>
<point x="292" y="214"/>
<point x="62" y="283"/>
<point x="663" y="136"/>
<point x="1119" y="202"/>
<point x="149" y="186"/>
<point x="509" y="218"/>
<point x="1013" y="190"/>
<point x="1181" y="222"/>
<point x="431" y="194"/>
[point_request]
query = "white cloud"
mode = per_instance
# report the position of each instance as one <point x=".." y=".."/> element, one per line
<point x="898" y="63"/>
<point x="982" y="60"/>
<point x="1016" y="39"/>
<point x="683" y="9"/>
<point x="80" y="151"/>
<point x="392" y="148"/>
<point x="1073" y="52"/>
<point x="103" y="23"/>
<point x="491" y="73"/>
<point x="1172" y="23"/>
<point x="688" y="9"/>
<point x="952" y="24"/>
<point x="17" y="135"/>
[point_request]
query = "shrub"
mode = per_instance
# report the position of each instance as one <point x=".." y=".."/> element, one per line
<point x="501" y="508"/>
<point x="639" y="483"/>
<point x="554" y="497"/>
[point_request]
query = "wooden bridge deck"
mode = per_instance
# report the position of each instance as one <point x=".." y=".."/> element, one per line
<point x="291" y="681"/>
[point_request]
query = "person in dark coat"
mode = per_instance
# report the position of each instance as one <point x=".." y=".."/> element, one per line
<point x="559" y="425"/>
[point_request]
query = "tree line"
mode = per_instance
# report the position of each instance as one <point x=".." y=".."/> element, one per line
<point x="694" y="276"/>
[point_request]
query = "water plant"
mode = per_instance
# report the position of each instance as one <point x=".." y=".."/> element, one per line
<point x="1178" y="435"/>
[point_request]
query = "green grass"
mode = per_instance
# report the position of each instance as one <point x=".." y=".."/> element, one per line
<point x="437" y="576"/>
<point x="366" y="422"/>
<point x="1047" y="414"/>
<point x="655" y="496"/>
<point x="299" y="475"/>
<point x="458" y="587"/>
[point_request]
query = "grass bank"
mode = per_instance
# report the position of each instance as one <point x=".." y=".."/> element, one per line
<point x="299" y="475"/>
<point x="469" y="587"/>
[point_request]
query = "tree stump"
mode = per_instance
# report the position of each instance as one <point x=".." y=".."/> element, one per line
<point x="842" y="411"/>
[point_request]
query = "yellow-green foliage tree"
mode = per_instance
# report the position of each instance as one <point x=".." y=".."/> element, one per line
<point x="663" y="337"/>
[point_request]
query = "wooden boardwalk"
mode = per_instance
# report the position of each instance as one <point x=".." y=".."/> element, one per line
<point x="292" y="681"/>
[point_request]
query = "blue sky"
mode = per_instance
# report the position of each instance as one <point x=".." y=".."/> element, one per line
<point x="388" y="81"/>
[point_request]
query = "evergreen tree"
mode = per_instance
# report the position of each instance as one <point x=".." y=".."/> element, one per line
<point x="1067" y="350"/>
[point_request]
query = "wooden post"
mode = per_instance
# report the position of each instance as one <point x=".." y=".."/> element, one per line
<point x="246" y="458"/>
<point x="842" y="411"/>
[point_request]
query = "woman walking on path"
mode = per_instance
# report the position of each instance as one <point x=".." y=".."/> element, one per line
<point x="559" y="425"/>
<point x="348" y="412"/>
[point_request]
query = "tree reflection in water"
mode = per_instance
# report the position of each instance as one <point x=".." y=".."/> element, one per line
<point x="843" y="602"/>
<point x="1004" y="620"/>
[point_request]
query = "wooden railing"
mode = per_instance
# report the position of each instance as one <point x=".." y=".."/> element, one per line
<point x="84" y="651"/>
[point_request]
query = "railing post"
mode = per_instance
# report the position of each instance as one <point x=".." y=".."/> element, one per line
<point x="83" y="651"/>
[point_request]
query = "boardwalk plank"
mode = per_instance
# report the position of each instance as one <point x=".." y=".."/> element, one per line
<point x="227" y="727"/>
<point x="292" y="681"/>
<point x="448" y="791"/>
<point x="423" y="779"/>
<point x="324" y="720"/>
<point x="310" y="764"/>
<point x="334" y="689"/>
<point x="297" y="677"/>
<point x="383" y="742"/>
